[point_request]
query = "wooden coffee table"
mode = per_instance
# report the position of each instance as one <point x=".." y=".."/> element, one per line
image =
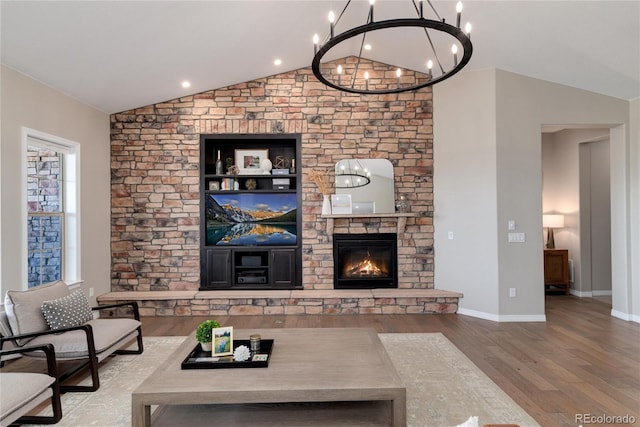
<point x="306" y="365"/>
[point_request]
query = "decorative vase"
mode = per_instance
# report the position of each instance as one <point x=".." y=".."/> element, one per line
<point x="326" y="205"/>
<point x="403" y="205"/>
<point x="206" y="346"/>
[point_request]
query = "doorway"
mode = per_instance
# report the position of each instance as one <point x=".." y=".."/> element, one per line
<point x="576" y="184"/>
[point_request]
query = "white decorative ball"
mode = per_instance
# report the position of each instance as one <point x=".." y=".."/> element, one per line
<point x="241" y="353"/>
<point x="266" y="165"/>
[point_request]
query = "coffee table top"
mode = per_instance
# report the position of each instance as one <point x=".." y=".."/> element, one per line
<point x="306" y="365"/>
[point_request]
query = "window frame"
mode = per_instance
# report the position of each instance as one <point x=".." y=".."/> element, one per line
<point x="70" y="150"/>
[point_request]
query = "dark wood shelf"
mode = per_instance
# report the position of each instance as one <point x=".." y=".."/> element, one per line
<point x="227" y="266"/>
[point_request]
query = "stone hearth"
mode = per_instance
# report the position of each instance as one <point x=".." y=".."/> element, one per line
<point x="347" y="301"/>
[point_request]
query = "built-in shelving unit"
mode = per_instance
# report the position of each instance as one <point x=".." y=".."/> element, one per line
<point x="250" y="231"/>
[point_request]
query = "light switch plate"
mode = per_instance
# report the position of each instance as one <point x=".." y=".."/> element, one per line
<point x="516" y="237"/>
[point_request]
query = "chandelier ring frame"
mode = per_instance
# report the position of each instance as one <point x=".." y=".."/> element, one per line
<point x="456" y="32"/>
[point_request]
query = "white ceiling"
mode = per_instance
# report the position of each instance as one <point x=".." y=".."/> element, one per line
<point x="118" y="55"/>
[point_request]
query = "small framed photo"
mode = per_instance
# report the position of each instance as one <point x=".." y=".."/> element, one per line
<point x="341" y="204"/>
<point x="214" y="185"/>
<point x="248" y="161"/>
<point x="222" y="340"/>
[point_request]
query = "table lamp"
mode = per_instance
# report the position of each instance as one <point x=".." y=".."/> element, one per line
<point x="550" y="222"/>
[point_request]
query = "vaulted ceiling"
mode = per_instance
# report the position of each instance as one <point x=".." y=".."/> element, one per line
<point x="118" y="55"/>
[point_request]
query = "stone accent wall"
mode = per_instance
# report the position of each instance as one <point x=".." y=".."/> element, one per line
<point x="155" y="172"/>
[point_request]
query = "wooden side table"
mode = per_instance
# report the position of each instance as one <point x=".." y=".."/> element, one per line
<point x="556" y="269"/>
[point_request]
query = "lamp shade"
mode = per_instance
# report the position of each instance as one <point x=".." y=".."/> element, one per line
<point x="553" y="221"/>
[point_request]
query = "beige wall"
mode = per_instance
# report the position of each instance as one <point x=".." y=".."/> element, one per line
<point x="520" y="105"/>
<point x="27" y="103"/>
<point x="464" y="186"/>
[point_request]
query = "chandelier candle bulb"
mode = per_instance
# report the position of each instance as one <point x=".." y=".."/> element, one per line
<point x="467" y="29"/>
<point x="371" y="2"/>
<point x="459" y="13"/>
<point x="366" y="79"/>
<point x="430" y="68"/>
<point x="454" y="50"/>
<point x="332" y="18"/>
<point x="316" y="41"/>
<point x="339" y="74"/>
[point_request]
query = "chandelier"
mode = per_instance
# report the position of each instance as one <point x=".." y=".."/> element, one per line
<point x="351" y="174"/>
<point x="439" y="43"/>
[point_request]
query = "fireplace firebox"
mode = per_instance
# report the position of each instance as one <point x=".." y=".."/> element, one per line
<point x="365" y="261"/>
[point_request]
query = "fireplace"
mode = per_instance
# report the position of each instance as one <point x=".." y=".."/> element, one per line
<point x="365" y="261"/>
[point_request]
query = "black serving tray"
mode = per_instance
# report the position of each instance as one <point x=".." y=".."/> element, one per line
<point x="199" y="359"/>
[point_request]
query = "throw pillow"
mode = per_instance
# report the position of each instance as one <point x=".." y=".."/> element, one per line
<point x="69" y="311"/>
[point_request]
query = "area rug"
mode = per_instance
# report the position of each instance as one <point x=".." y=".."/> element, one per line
<point x="444" y="388"/>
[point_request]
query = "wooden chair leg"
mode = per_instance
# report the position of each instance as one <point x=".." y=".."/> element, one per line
<point x="95" y="378"/>
<point x="140" y="345"/>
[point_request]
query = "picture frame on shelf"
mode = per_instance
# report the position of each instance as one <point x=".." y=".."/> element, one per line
<point x="214" y="185"/>
<point x="248" y="161"/>
<point x="222" y="339"/>
<point x="341" y="204"/>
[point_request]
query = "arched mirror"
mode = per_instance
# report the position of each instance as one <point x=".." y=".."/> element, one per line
<point x="369" y="182"/>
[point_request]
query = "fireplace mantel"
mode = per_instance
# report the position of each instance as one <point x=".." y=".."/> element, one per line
<point x="400" y="216"/>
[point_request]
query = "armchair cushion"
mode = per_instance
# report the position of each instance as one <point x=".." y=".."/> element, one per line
<point x="24" y="391"/>
<point x="24" y="308"/>
<point x="107" y="334"/>
<point x="69" y="311"/>
<point x="20" y="389"/>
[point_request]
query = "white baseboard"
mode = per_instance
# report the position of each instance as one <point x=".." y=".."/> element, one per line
<point x="601" y="293"/>
<point x="624" y="316"/>
<point x="504" y="317"/>
<point x="589" y="294"/>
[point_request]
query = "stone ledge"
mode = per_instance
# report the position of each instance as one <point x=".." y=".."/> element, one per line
<point x="145" y="295"/>
<point x="312" y="293"/>
<point x="283" y="302"/>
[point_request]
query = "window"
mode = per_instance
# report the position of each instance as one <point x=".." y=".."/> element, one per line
<point x="45" y="222"/>
<point x="52" y="226"/>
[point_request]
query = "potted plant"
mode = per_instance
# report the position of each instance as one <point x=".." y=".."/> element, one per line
<point x="204" y="335"/>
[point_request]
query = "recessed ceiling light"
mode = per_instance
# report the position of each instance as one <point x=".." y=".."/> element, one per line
<point x="186" y="84"/>
<point x="277" y="62"/>
<point x="367" y="46"/>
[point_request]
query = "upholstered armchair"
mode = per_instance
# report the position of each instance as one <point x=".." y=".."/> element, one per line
<point x="23" y="391"/>
<point x="52" y="314"/>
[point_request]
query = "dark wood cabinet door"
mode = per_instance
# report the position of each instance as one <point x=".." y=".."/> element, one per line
<point x="218" y="269"/>
<point x="283" y="272"/>
<point x="556" y="268"/>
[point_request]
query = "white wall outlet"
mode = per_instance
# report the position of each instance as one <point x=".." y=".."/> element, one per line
<point x="511" y="225"/>
<point x="512" y="292"/>
<point x="516" y="237"/>
<point x="450" y="235"/>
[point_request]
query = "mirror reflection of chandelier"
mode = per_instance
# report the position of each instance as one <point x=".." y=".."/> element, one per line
<point x="351" y="174"/>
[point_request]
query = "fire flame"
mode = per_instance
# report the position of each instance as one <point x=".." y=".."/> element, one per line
<point x="365" y="268"/>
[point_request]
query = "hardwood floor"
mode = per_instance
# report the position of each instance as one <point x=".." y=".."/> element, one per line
<point x="581" y="361"/>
